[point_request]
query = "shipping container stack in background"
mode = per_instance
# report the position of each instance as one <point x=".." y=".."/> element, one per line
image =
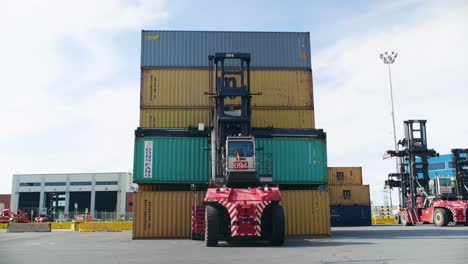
<point x="175" y="75"/>
<point x="171" y="151"/>
<point x="349" y="198"/>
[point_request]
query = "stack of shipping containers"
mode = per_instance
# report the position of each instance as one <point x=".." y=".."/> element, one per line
<point x="171" y="147"/>
<point x="349" y="198"/>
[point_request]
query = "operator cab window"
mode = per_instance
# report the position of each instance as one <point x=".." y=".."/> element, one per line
<point x="445" y="182"/>
<point x="243" y="148"/>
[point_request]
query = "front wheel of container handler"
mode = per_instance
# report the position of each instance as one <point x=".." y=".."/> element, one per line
<point x="278" y="231"/>
<point x="466" y="217"/>
<point x="212" y="226"/>
<point x="440" y="217"/>
<point x="397" y="219"/>
<point x="405" y="219"/>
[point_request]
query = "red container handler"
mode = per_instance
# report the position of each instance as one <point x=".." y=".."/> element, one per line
<point x="198" y="222"/>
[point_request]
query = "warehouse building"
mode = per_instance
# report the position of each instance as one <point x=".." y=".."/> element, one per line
<point x="4" y="201"/>
<point x="71" y="192"/>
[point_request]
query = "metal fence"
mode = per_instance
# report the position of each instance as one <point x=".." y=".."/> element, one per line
<point x="384" y="211"/>
<point x="112" y="216"/>
<point x="98" y="216"/>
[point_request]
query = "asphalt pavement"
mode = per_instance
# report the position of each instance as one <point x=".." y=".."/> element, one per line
<point x="369" y="245"/>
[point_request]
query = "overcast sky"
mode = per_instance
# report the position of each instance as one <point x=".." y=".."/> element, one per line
<point x="69" y="75"/>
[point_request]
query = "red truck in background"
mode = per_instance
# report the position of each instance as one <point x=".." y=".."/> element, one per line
<point x="6" y="216"/>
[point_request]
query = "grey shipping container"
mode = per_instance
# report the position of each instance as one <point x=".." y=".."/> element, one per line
<point x="190" y="49"/>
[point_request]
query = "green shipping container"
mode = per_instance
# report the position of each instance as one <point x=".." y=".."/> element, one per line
<point x="171" y="160"/>
<point x="186" y="160"/>
<point x="296" y="160"/>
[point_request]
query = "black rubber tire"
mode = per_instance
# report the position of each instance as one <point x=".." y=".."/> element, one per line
<point x="266" y="223"/>
<point x="278" y="230"/>
<point x="404" y="219"/>
<point x="466" y="214"/>
<point x="212" y="226"/>
<point x="441" y="217"/>
<point x="397" y="219"/>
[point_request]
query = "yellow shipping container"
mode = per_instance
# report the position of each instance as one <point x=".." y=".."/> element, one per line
<point x="306" y="212"/>
<point x="345" y="175"/>
<point x="283" y="118"/>
<point x="149" y="187"/>
<point x="261" y="117"/>
<point x="186" y="88"/>
<point x="349" y="195"/>
<point x="168" y="214"/>
<point x="173" y="118"/>
<point x="163" y="214"/>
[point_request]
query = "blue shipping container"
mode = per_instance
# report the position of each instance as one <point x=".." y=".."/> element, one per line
<point x="440" y="166"/>
<point x="190" y="49"/>
<point x="350" y="215"/>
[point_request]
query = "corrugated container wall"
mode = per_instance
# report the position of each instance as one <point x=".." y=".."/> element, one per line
<point x="185" y="160"/>
<point x="186" y="88"/>
<point x="345" y="175"/>
<point x="261" y="117"/>
<point x="171" y="160"/>
<point x="190" y="49"/>
<point x="129" y="202"/>
<point x="163" y="214"/>
<point x="306" y="212"/>
<point x="349" y="195"/>
<point x="296" y="160"/>
<point x="350" y="215"/>
<point x="167" y="214"/>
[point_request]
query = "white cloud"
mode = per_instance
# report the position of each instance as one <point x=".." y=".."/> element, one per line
<point x="61" y="108"/>
<point x="429" y="78"/>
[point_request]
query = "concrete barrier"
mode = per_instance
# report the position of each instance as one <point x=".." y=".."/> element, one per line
<point x="74" y="226"/>
<point x="127" y="225"/>
<point x="101" y="226"/>
<point x="383" y="221"/>
<point x="61" y="225"/>
<point x="88" y="227"/>
<point x="29" y="227"/>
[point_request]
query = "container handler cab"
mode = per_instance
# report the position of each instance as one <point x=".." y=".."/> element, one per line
<point x="440" y="200"/>
<point x="238" y="204"/>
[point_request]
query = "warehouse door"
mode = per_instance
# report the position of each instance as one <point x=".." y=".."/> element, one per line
<point x="29" y="201"/>
<point x="82" y="200"/>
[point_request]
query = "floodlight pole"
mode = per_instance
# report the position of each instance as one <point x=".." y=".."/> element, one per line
<point x="389" y="58"/>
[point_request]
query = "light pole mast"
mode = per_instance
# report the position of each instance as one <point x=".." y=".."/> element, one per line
<point x="389" y="58"/>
